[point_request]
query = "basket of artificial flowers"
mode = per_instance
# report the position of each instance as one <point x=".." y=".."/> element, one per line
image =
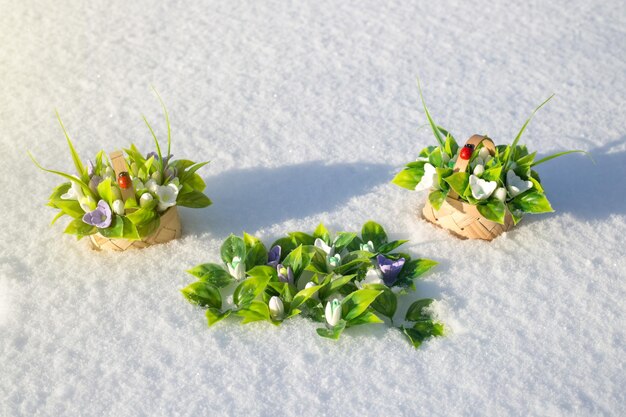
<point x="127" y="200"/>
<point x="479" y="190"/>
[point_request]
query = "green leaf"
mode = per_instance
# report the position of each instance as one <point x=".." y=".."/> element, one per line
<point x="334" y="332"/>
<point x="105" y="191"/>
<point x="195" y="182"/>
<point x="556" y="155"/>
<point x="72" y="178"/>
<point x="511" y="154"/>
<point x="532" y="202"/>
<point x="342" y="240"/>
<point x="300" y="238"/>
<point x="433" y="126"/>
<point x="167" y="121"/>
<point x="494" y="210"/>
<point x="458" y="182"/>
<point x="115" y="230"/>
<point x="322" y="233"/>
<point x="492" y="174"/>
<point x="386" y="303"/>
<point x="214" y="315"/>
<point x="304" y="295"/>
<point x="254" y="311"/>
<point x="286" y="245"/>
<point x="156" y="141"/>
<point x="437" y="198"/>
<point x="193" y="199"/>
<point x="214" y="274"/>
<point x="415" y="268"/>
<point x="375" y="233"/>
<point x="70" y="207"/>
<point x="435" y="158"/>
<point x="357" y="302"/>
<point x="366" y="318"/>
<point x="409" y="177"/>
<point x="249" y="289"/>
<point x="233" y="246"/>
<point x="142" y="216"/>
<point x="298" y="260"/>
<point x="332" y="284"/>
<point x="416" y="311"/>
<point x="203" y="294"/>
<point x="256" y="252"/>
<point x="79" y="228"/>
<point x="80" y="168"/>
<point x="130" y="231"/>
<point x="422" y="331"/>
<point x="451" y="146"/>
<point x="388" y="247"/>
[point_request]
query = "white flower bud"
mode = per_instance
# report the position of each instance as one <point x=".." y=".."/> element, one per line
<point x="277" y="309"/>
<point x="479" y="169"/>
<point x="483" y="153"/>
<point x="145" y="199"/>
<point x="500" y="194"/>
<point x="333" y="312"/>
<point x="118" y="207"/>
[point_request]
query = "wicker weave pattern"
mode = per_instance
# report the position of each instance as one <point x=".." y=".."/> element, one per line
<point x="169" y="229"/>
<point x="464" y="220"/>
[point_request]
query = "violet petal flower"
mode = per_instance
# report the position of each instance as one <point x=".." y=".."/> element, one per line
<point x="101" y="217"/>
<point x="285" y="274"/>
<point x="273" y="257"/>
<point x="390" y="269"/>
<point x="90" y="168"/>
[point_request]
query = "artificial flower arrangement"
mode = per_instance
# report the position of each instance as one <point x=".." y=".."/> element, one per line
<point x="128" y="201"/>
<point x="342" y="282"/>
<point x="479" y="190"/>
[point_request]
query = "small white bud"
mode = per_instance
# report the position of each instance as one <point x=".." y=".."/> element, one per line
<point x="145" y="199"/>
<point x="277" y="309"/>
<point x="500" y="194"/>
<point x="118" y="207"/>
<point x="478" y="170"/>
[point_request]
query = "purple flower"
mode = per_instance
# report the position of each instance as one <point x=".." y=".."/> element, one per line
<point x="273" y="257"/>
<point x="390" y="269"/>
<point x="156" y="157"/>
<point x="93" y="183"/>
<point x="285" y="274"/>
<point x="90" y="168"/>
<point x="100" y="217"/>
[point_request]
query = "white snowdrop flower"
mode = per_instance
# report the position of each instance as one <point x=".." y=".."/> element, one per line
<point x="319" y="243"/>
<point x="152" y="186"/>
<point x="479" y="169"/>
<point x="118" y="207"/>
<point x="109" y="173"/>
<point x="157" y="176"/>
<point x="500" y="194"/>
<point x="481" y="189"/>
<point x="333" y="261"/>
<point x="484" y="153"/>
<point x="429" y="179"/>
<point x="87" y="203"/>
<point x="373" y="276"/>
<point x="237" y="268"/>
<point x="421" y="158"/>
<point x="310" y="284"/>
<point x="277" y="309"/>
<point x="515" y="184"/>
<point x="333" y="312"/>
<point x="145" y="199"/>
<point x="167" y="195"/>
<point x="75" y="192"/>
<point x="367" y="247"/>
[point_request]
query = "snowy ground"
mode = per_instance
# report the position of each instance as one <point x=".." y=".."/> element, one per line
<point x="306" y="110"/>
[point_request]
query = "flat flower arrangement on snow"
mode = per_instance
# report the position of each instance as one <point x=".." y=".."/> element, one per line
<point x="340" y="282"/>
<point x="499" y="181"/>
<point x="98" y="200"/>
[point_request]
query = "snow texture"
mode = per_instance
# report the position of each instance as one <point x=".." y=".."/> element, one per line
<point x="306" y="110"/>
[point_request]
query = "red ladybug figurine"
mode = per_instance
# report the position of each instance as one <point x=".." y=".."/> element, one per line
<point x="124" y="180"/>
<point x="466" y="152"/>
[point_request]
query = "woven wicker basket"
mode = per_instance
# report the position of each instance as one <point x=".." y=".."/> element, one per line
<point x="169" y="229"/>
<point x="169" y="224"/>
<point x="463" y="219"/>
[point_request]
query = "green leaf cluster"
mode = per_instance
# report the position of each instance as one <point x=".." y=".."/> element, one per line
<point x="315" y="283"/>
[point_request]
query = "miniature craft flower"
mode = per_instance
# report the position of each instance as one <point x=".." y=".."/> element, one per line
<point x="333" y="261"/>
<point x="333" y="312"/>
<point x="100" y="217"/>
<point x="367" y="247"/>
<point x="479" y="169"/>
<point x="167" y="195"/>
<point x="373" y="276"/>
<point x="145" y="199"/>
<point x="138" y="184"/>
<point x="310" y="284"/>
<point x="94" y="182"/>
<point x="277" y="309"/>
<point x="285" y="274"/>
<point x="87" y="203"/>
<point x="429" y="179"/>
<point x="74" y="192"/>
<point x="273" y="256"/>
<point x="237" y="268"/>
<point x="118" y="207"/>
<point x="481" y="189"/>
<point x="500" y="194"/>
<point x="389" y="268"/>
<point x="515" y="184"/>
<point x="90" y="168"/>
<point x="319" y="243"/>
<point x="152" y="186"/>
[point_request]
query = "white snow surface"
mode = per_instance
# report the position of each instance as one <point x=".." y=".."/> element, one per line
<point x="306" y="110"/>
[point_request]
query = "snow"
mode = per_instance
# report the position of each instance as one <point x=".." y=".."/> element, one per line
<point x="306" y="110"/>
